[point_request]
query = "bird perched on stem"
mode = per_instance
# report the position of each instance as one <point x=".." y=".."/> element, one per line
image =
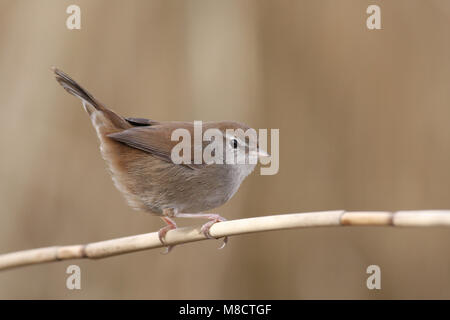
<point x="138" y="154"/>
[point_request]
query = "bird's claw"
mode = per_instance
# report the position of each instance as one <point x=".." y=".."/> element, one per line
<point x="167" y="250"/>
<point x="205" y="230"/>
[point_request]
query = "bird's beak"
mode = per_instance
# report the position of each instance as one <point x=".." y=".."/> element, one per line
<point x="263" y="153"/>
<point x="259" y="153"/>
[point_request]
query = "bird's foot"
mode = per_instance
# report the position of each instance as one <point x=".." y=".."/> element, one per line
<point x="214" y="218"/>
<point x="163" y="231"/>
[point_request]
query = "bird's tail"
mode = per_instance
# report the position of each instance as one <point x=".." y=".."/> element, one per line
<point x="72" y="87"/>
<point x="89" y="102"/>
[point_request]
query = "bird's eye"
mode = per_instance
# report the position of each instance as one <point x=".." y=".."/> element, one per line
<point x="234" y="143"/>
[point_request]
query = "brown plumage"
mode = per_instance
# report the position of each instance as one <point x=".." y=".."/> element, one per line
<point x="138" y="154"/>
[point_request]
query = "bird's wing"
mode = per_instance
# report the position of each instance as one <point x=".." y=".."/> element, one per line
<point x="154" y="139"/>
<point x="139" y="122"/>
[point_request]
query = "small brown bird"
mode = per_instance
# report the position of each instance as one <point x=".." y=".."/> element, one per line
<point x="138" y="154"/>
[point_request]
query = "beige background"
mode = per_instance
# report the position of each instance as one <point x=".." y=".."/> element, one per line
<point x="364" y="119"/>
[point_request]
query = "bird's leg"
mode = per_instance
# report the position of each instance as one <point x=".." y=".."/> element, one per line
<point x="167" y="214"/>
<point x="213" y="218"/>
<point x="170" y="226"/>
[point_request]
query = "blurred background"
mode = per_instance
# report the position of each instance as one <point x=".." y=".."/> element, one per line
<point x="364" y="125"/>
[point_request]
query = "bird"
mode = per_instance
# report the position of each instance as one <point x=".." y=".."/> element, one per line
<point x="138" y="155"/>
